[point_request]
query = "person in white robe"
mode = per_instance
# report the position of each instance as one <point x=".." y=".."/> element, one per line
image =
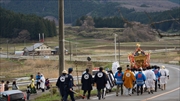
<point x="42" y="82"/>
<point x="150" y="80"/>
<point x="164" y="74"/>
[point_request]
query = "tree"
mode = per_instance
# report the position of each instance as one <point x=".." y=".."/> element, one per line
<point x="24" y="35"/>
<point x="87" y="24"/>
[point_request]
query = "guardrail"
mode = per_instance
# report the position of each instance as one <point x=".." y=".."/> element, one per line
<point x="24" y="83"/>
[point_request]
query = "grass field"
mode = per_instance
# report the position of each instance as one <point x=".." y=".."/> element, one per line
<point x="99" y="49"/>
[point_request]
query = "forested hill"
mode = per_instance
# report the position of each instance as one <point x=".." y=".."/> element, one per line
<point x="19" y="27"/>
<point x="75" y="9"/>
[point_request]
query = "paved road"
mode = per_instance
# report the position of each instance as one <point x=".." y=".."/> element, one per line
<point x="172" y="92"/>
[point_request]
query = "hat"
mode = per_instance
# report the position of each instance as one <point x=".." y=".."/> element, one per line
<point x="70" y="70"/>
<point x="163" y="67"/>
<point x="64" y="71"/>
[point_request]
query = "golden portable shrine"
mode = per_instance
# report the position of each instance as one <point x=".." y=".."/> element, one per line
<point x="139" y="58"/>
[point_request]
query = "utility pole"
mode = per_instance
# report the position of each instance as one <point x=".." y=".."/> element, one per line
<point x="119" y="50"/>
<point x="7" y="48"/>
<point x="115" y="46"/>
<point x="61" y="36"/>
<point x="70" y="50"/>
<point x="76" y="48"/>
<point x="33" y="51"/>
<point x="14" y="49"/>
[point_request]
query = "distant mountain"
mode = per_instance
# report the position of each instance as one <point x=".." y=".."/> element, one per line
<point x="74" y="9"/>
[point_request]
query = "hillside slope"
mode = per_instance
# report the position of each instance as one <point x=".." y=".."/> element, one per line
<point x="76" y="8"/>
<point x="149" y="5"/>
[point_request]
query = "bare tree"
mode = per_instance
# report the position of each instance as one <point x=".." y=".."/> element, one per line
<point x="87" y="24"/>
<point x="135" y="31"/>
<point x="159" y="34"/>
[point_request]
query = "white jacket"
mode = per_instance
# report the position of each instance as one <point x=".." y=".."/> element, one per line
<point x="150" y="75"/>
<point x="42" y="82"/>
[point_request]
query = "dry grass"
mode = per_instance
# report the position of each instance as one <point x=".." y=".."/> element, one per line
<point x="49" y="68"/>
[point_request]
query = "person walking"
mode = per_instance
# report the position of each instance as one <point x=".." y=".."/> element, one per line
<point x="6" y="86"/>
<point x="68" y="85"/>
<point x="60" y="83"/>
<point x="86" y="82"/>
<point x="163" y="78"/>
<point x="31" y="85"/>
<point x="15" y="86"/>
<point x="101" y="81"/>
<point x="42" y="82"/>
<point x="157" y="74"/>
<point x="167" y="77"/>
<point x="107" y="87"/>
<point x="150" y="79"/>
<point x="28" y="92"/>
<point x="119" y="80"/>
<point x="158" y="83"/>
<point x="111" y="79"/>
<point x="38" y="76"/>
<point x="128" y="79"/>
<point x="140" y="80"/>
<point x="47" y="84"/>
<point x="2" y="86"/>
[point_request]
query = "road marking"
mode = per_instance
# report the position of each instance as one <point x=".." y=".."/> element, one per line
<point x="174" y="68"/>
<point x="161" y="94"/>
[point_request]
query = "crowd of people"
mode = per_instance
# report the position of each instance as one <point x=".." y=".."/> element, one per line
<point x="141" y="80"/>
<point x="128" y="82"/>
<point x="4" y="86"/>
<point x="41" y="84"/>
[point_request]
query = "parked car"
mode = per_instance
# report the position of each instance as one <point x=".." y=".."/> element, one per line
<point x="12" y="95"/>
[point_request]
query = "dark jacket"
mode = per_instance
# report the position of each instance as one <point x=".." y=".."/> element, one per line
<point x="60" y="82"/>
<point x="86" y="81"/>
<point x="69" y="82"/>
<point x="100" y="80"/>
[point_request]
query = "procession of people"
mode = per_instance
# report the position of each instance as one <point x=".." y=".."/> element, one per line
<point x="127" y="82"/>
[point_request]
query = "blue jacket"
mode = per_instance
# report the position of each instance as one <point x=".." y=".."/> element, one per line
<point x="119" y="78"/>
<point x="38" y="78"/>
<point x="140" y="78"/>
<point x="157" y="73"/>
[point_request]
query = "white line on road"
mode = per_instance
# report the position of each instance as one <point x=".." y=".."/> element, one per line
<point x="161" y="94"/>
